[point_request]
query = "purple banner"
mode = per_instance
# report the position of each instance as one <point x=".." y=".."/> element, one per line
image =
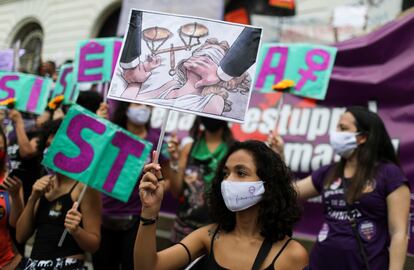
<point x="373" y="71"/>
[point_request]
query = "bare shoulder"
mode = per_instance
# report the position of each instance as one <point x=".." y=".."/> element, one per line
<point x="206" y="233"/>
<point x="295" y="255"/>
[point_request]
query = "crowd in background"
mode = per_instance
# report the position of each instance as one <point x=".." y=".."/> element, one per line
<point x="238" y="201"/>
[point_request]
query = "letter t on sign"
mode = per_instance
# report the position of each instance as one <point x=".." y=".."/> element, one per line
<point x="127" y="146"/>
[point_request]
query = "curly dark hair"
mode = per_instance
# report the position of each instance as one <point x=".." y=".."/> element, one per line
<point x="278" y="210"/>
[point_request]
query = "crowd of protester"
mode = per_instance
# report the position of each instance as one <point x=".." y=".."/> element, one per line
<point x="238" y="202"/>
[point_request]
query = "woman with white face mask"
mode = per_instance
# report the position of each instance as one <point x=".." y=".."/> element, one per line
<point x="253" y="209"/>
<point x="120" y="220"/>
<point x="365" y="195"/>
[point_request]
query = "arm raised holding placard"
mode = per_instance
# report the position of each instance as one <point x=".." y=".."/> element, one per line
<point x="27" y="148"/>
<point x="151" y="192"/>
<point x="26" y="223"/>
<point x="88" y="235"/>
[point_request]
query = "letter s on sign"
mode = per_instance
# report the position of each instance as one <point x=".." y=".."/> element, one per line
<point x="81" y="162"/>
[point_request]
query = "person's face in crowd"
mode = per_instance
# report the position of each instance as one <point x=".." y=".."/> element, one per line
<point x="346" y="123"/>
<point x="138" y="114"/>
<point x="240" y="167"/>
<point x="47" y="69"/>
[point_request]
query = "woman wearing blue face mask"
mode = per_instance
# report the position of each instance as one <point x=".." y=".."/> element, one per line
<point x="365" y="195"/>
<point x="120" y="220"/>
<point x="253" y="207"/>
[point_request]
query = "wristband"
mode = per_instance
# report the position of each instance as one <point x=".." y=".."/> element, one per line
<point x="147" y="221"/>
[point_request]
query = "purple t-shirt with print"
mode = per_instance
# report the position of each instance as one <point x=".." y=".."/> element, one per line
<point x="114" y="207"/>
<point x="336" y="246"/>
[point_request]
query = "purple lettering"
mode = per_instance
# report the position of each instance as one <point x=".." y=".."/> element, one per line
<point x="34" y="95"/>
<point x="267" y="68"/>
<point x="3" y="86"/>
<point x="83" y="160"/>
<point x="84" y="64"/>
<point x="127" y="146"/>
<point x="117" y="49"/>
<point x="313" y="66"/>
<point x="62" y="80"/>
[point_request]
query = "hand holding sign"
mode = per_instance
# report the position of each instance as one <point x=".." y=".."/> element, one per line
<point x="98" y="153"/>
<point x="73" y="219"/>
<point x="103" y="110"/>
<point x="276" y="143"/>
<point x="42" y="186"/>
<point x="151" y="189"/>
<point x="15" y="116"/>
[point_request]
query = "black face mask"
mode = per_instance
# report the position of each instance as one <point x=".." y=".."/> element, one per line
<point x="212" y="125"/>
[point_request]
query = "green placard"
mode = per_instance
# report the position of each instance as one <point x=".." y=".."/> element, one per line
<point x="309" y="66"/>
<point x="95" y="60"/>
<point x="65" y="85"/>
<point x="31" y="92"/>
<point x="96" y="152"/>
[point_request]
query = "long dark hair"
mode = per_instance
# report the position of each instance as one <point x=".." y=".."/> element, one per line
<point x="3" y="164"/>
<point x="197" y="134"/>
<point x="48" y="128"/>
<point x="278" y="210"/>
<point x="377" y="148"/>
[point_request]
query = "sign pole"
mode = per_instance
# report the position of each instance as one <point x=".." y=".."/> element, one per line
<point x="161" y="139"/>
<point x="65" y="232"/>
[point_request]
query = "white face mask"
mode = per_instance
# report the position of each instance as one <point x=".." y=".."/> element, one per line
<point x="344" y="143"/>
<point x="239" y="196"/>
<point x="139" y="115"/>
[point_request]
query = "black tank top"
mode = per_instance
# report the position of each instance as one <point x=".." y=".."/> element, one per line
<point x="50" y="220"/>
<point x="210" y="262"/>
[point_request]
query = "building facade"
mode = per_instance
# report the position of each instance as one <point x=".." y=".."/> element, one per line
<point x="51" y="29"/>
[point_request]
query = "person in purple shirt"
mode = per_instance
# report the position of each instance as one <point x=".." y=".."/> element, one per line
<point x="366" y="198"/>
<point x="120" y="220"/>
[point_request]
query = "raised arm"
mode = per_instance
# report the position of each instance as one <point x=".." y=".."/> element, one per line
<point x="398" y="206"/>
<point x="26" y="222"/>
<point x="178" y="160"/>
<point x="88" y="236"/>
<point x="27" y="148"/>
<point x="151" y="192"/>
<point x="304" y="187"/>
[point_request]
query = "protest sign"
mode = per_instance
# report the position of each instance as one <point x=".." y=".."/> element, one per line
<point x="212" y="9"/>
<point x="6" y="60"/>
<point x="95" y="60"/>
<point x="98" y="153"/>
<point x="31" y="92"/>
<point x="207" y="68"/>
<point x="309" y="66"/>
<point x="65" y="85"/>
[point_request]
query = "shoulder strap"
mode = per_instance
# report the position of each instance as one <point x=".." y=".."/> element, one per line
<point x="73" y="187"/>
<point x="281" y="250"/>
<point x="212" y="240"/>
<point x="262" y="254"/>
<point x="362" y="250"/>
